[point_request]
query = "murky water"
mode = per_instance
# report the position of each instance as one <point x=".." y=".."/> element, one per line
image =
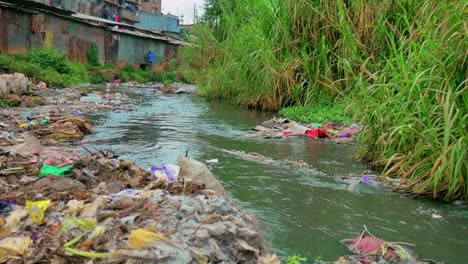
<point x="301" y="213"/>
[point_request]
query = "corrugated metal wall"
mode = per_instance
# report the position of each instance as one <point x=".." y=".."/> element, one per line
<point x="79" y="6"/>
<point x="133" y="49"/>
<point x="21" y="31"/>
<point x="14" y="35"/>
<point x="158" y="22"/>
<point x="67" y="36"/>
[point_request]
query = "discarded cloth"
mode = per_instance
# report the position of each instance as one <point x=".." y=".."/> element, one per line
<point x="317" y="133"/>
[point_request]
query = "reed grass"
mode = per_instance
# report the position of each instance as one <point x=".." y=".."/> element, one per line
<point x="401" y="63"/>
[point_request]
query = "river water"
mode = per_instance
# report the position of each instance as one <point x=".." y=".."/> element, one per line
<point x="301" y="213"/>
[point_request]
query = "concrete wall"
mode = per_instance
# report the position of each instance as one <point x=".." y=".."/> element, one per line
<point x="21" y="31"/>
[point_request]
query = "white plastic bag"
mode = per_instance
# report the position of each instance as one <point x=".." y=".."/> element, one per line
<point x="169" y="172"/>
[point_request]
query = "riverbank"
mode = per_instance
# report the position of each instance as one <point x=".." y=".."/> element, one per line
<point x="52" y="68"/>
<point x="400" y="67"/>
<point x="60" y="204"/>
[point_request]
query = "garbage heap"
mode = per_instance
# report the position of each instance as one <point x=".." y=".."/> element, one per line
<point x="106" y="209"/>
<point x="369" y="249"/>
<point x="282" y="127"/>
<point x="15" y="83"/>
<point x="58" y="207"/>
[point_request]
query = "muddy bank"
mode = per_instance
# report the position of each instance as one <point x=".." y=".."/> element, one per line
<point x="60" y="206"/>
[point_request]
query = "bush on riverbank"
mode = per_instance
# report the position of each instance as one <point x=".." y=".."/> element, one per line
<point x="45" y="65"/>
<point x="401" y="63"/>
<point x="318" y="113"/>
<point x="52" y="67"/>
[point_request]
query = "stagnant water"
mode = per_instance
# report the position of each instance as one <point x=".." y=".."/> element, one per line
<point x="301" y="213"/>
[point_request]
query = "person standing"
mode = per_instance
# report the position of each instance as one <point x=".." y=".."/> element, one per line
<point x="150" y="58"/>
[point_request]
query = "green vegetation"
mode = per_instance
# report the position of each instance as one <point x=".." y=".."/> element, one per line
<point x="46" y="65"/>
<point x="295" y="260"/>
<point x="318" y="113"/>
<point x="93" y="55"/>
<point x="49" y="59"/>
<point x="401" y="64"/>
<point x="6" y="104"/>
<point x="52" y="67"/>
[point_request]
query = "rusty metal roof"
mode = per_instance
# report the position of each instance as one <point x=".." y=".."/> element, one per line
<point x="140" y="32"/>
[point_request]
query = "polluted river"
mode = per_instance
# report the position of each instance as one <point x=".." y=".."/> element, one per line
<point x="301" y="212"/>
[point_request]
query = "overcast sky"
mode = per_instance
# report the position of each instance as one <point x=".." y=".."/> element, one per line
<point x="183" y="7"/>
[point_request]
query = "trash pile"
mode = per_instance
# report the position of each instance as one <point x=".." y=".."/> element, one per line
<point x="283" y="127"/>
<point x="106" y="209"/>
<point x="159" y="88"/>
<point x="285" y="163"/>
<point x="79" y="100"/>
<point x="15" y="83"/>
<point x="57" y="206"/>
<point x="369" y="249"/>
<point x="370" y="182"/>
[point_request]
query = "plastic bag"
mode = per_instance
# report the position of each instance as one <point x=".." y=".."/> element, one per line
<point x="15" y="217"/>
<point x="5" y="207"/>
<point x="36" y="210"/>
<point x="54" y="171"/>
<point x="126" y="192"/>
<point x="143" y="239"/>
<point x="198" y="173"/>
<point x="13" y="247"/>
<point x="169" y="172"/>
<point x="84" y="224"/>
<point x="298" y="129"/>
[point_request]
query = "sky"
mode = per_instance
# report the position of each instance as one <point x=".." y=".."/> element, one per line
<point x="183" y="7"/>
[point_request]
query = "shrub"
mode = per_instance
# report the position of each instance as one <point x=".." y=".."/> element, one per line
<point x="31" y="70"/>
<point x="129" y="68"/>
<point x="6" y="104"/>
<point x="93" y="55"/>
<point x="49" y="59"/>
<point x="108" y="66"/>
<point x="78" y="74"/>
<point x="5" y="63"/>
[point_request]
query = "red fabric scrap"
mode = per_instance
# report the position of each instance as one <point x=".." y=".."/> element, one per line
<point x="287" y="133"/>
<point x="352" y="131"/>
<point x="317" y="133"/>
<point x="367" y="245"/>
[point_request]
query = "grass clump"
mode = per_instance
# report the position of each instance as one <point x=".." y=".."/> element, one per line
<point x="318" y="113"/>
<point x="401" y="64"/>
<point x="47" y="65"/>
<point x="93" y="55"/>
<point x="7" y="104"/>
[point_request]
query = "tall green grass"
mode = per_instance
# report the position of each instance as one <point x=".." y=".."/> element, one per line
<point x="401" y="63"/>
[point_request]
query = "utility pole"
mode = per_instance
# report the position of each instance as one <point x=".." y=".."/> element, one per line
<point x="194" y="13"/>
